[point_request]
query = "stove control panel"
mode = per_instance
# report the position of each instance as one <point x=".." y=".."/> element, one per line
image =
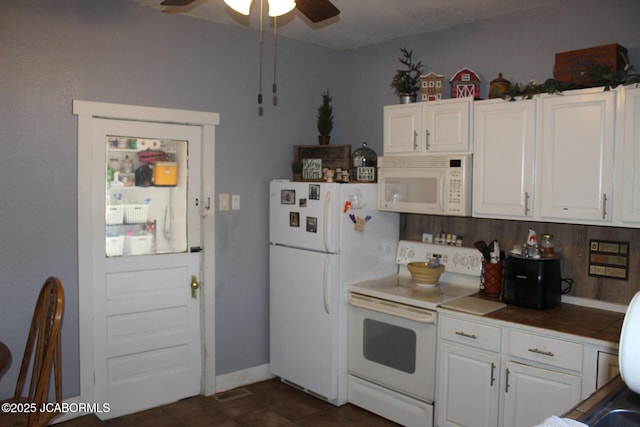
<point x="456" y="259"/>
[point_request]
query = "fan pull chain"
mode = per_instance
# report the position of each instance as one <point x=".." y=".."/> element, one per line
<point x="275" y="52"/>
<point x="260" y="76"/>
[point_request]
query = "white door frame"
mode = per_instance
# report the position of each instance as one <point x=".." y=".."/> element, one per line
<point x="86" y="112"/>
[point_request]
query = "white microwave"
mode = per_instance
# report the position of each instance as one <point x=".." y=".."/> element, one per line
<point x="432" y="184"/>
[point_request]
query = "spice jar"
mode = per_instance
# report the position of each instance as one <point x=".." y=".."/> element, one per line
<point x="546" y="243"/>
<point x="365" y="162"/>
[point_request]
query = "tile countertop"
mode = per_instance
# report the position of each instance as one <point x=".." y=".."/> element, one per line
<point x="566" y="318"/>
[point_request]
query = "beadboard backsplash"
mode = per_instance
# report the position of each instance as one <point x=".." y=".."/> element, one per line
<point x="571" y="243"/>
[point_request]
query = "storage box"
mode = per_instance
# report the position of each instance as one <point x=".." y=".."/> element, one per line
<point x="114" y="214"/>
<point x="139" y="244"/>
<point x="165" y="174"/>
<point x="114" y="245"/>
<point x="571" y="65"/>
<point x="134" y="214"/>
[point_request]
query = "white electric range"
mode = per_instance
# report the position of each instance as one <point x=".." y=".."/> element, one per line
<point x="393" y="333"/>
<point x="461" y="277"/>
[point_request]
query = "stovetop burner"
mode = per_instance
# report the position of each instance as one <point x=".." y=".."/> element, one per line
<point x="460" y="278"/>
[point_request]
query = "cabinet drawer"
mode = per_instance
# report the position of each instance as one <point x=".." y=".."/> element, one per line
<point x="550" y="351"/>
<point x="470" y="333"/>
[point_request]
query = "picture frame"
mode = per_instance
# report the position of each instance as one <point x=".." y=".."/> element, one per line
<point x="288" y="197"/>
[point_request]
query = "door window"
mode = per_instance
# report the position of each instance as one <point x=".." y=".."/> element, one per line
<point x="146" y="196"/>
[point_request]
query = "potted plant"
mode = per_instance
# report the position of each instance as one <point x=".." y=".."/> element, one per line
<point x="296" y="168"/>
<point x="406" y="82"/>
<point x="324" y="119"/>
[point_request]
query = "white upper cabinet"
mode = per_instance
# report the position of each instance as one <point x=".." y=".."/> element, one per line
<point x="402" y="129"/>
<point x="428" y="127"/>
<point x="504" y="150"/>
<point x="630" y="136"/>
<point x="575" y="163"/>
<point x="446" y="125"/>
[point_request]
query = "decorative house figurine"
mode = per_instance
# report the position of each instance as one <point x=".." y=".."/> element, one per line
<point x="465" y="83"/>
<point x="431" y="87"/>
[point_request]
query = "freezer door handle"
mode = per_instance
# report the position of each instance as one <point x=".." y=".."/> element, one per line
<point x="325" y="285"/>
<point x="327" y="222"/>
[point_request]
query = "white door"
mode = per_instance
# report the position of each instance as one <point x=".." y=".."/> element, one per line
<point x="147" y="347"/>
<point x="445" y="126"/>
<point x="504" y="149"/>
<point x="469" y="386"/>
<point x="576" y="161"/>
<point x="533" y="394"/>
<point x="305" y="318"/>
<point x="403" y="129"/>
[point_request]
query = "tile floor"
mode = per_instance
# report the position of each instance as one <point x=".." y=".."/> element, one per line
<point x="265" y="404"/>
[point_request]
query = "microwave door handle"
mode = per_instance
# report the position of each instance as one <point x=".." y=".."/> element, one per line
<point x="443" y="188"/>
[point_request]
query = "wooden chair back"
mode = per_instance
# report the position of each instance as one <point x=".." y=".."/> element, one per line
<point x="42" y="355"/>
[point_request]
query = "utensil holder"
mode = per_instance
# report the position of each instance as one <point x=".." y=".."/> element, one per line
<point x="491" y="279"/>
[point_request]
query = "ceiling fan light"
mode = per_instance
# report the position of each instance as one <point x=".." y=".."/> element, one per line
<point x="280" y="7"/>
<point x="240" y="6"/>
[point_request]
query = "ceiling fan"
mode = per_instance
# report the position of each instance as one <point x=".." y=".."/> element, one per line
<point x="315" y="10"/>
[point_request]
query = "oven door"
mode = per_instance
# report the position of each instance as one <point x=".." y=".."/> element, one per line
<point x="393" y="345"/>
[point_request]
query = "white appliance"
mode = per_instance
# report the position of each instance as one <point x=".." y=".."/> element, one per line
<point x="323" y="236"/>
<point x="392" y="332"/>
<point x="433" y="184"/>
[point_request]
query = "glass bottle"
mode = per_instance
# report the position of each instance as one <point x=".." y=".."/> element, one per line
<point x="546" y="243"/>
<point x="365" y="163"/>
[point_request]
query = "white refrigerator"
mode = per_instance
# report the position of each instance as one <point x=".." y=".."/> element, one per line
<point x="323" y="237"/>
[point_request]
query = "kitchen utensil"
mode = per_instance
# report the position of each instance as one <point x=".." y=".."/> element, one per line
<point x="484" y="249"/>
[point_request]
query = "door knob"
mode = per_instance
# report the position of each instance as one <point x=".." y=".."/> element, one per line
<point x="194" y="286"/>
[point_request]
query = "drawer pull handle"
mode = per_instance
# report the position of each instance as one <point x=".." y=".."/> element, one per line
<point x="544" y="353"/>
<point x="464" y="334"/>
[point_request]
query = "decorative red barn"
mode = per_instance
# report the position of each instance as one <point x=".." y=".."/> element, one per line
<point x="431" y="87"/>
<point x="465" y="83"/>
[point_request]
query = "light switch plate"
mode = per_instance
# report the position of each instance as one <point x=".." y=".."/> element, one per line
<point x="223" y="201"/>
<point x="235" y="202"/>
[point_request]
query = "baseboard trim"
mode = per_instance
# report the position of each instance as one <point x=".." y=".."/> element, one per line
<point x="243" y="377"/>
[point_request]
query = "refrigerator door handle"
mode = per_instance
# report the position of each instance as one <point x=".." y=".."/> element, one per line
<point x="327" y="223"/>
<point x="325" y="283"/>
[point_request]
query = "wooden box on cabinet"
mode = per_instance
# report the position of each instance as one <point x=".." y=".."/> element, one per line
<point x="333" y="156"/>
<point x="570" y="66"/>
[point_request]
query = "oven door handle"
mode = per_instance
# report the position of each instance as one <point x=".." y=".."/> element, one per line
<point x="393" y="309"/>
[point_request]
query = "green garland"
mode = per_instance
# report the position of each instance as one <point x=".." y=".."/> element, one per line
<point x="599" y="76"/>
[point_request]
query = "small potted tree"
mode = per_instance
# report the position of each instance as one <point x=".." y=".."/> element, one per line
<point x="406" y="82"/>
<point x="324" y="119"/>
<point x="296" y="169"/>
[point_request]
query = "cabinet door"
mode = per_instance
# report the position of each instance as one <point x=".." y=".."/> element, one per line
<point x="468" y="387"/>
<point x="445" y="126"/>
<point x="576" y="162"/>
<point x="533" y="394"/>
<point x="631" y="171"/>
<point x="608" y="368"/>
<point x="504" y="149"/>
<point x="402" y="129"/>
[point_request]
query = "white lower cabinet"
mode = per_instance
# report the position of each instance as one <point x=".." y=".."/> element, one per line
<point x="502" y="374"/>
<point x="533" y="394"/>
<point x="469" y="387"/>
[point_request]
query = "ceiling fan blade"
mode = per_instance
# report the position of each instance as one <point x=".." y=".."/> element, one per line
<point x="177" y="2"/>
<point x="317" y="10"/>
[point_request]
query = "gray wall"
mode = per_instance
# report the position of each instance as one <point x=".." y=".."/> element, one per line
<point x="116" y="51"/>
